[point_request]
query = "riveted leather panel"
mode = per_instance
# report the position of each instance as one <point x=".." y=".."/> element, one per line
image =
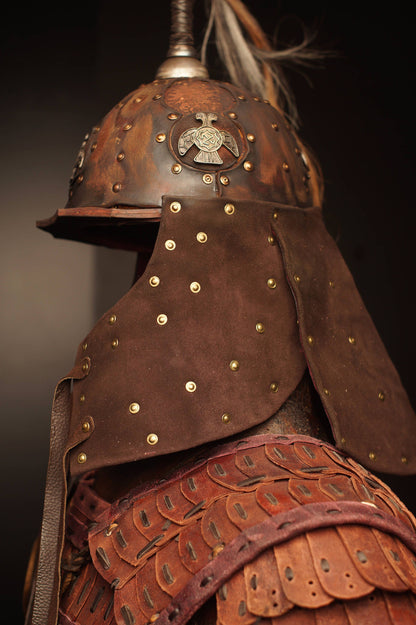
<point x="342" y="563"/>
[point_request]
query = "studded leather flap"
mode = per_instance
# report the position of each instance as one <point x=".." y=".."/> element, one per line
<point x="204" y="345"/>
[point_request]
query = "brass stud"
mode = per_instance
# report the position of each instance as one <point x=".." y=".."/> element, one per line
<point x="229" y="209"/>
<point x="82" y="398"/>
<point x="195" y="287"/>
<point x="127" y="127"/>
<point x="137" y="100"/>
<point x="257" y="99"/>
<point x="285" y="166"/>
<point x="271" y="283"/>
<point x="85" y="367"/>
<point x="152" y="439"/>
<point x="84" y="346"/>
<point x="326" y="392"/>
<point x="232" y="115"/>
<point x="248" y="166"/>
<point x="112" y="319"/>
<point x="173" y="116"/>
<point x="175" y="207"/>
<point x="225" y="417"/>
<point x="114" y="343"/>
<point x="208" y="178"/>
<point x="260" y="328"/>
<point x="343" y="441"/>
<point x="160" y="137"/>
<point x="157" y="96"/>
<point x="93" y="147"/>
<point x="176" y="168"/>
<point x="116" y="187"/>
<point x="310" y="339"/>
<point x="381" y="396"/>
<point x="234" y="365"/>
<point x="241" y="97"/>
<point x="86" y="426"/>
<point x="296" y="278"/>
<point x="351" y="340"/>
<point x="251" y="137"/>
<point x="274" y="387"/>
<point x="275" y="127"/>
<point x="154" y="617"/>
<point x="190" y="386"/>
<point x="404" y="460"/>
<point x="154" y="281"/>
<point x="201" y="237"/>
<point x="271" y="240"/>
<point x="224" y="180"/>
<point x="82" y="458"/>
<point x="80" y="178"/>
<point x="121" y="156"/>
<point x="372" y="455"/>
<point x="134" y="408"/>
<point x="162" y="319"/>
<point x="170" y="244"/>
<point x="276" y="215"/>
<point x="331" y="284"/>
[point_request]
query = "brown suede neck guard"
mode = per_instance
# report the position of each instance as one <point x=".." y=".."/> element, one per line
<point x="206" y="343"/>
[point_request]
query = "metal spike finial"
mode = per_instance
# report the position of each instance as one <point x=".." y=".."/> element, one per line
<point x="182" y="61"/>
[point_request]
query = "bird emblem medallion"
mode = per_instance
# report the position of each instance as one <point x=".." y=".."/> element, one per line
<point x="208" y="140"/>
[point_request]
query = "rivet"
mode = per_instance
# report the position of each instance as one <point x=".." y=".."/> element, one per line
<point x="331" y="284"/>
<point x="160" y="137"/>
<point x="82" y="398"/>
<point x="217" y="549"/>
<point x="154" y="281"/>
<point x="175" y="207"/>
<point x="224" y="180"/>
<point x="157" y="96"/>
<point x="275" y="126"/>
<point x="310" y="339"/>
<point x="84" y="346"/>
<point x="285" y="166"/>
<point x="404" y="459"/>
<point x="351" y="340"/>
<point x="85" y="367"/>
<point x="326" y="392"/>
<point x="86" y="426"/>
<point x="225" y="417"/>
<point x="128" y="127"/>
<point x="381" y="396"/>
<point x="80" y="178"/>
<point x="114" y="343"/>
<point x="121" y="156"/>
<point x="274" y="387"/>
<point x="232" y="115"/>
<point x="162" y="319"/>
<point x="248" y="166"/>
<point x="256" y="99"/>
<point x="296" y="278"/>
<point x="343" y="441"/>
<point x="234" y="365"/>
<point x="173" y="116"/>
<point x="137" y="100"/>
<point x="271" y="240"/>
<point x="372" y="455"/>
<point x="112" y="319"/>
<point x="260" y="328"/>
<point x="229" y="208"/>
<point x="152" y="439"/>
<point x="276" y="215"/>
<point x="201" y="237"/>
<point x="271" y="283"/>
<point x="251" y="137"/>
<point x="241" y="97"/>
<point x="176" y="168"/>
<point x="195" y="287"/>
<point x="190" y="386"/>
<point x="82" y="458"/>
<point x="208" y="178"/>
<point x="93" y="147"/>
<point x="116" y="187"/>
<point x="170" y="244"/>
<point x="134" y="408"/>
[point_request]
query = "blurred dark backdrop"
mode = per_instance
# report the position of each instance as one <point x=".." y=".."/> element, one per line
<point x="63" y="67"/>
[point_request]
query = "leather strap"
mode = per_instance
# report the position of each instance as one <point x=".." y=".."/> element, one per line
<point x="48" y="577"/>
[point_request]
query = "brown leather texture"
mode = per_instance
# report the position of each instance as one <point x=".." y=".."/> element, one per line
<point x="206" y="343"/>
<point x="132" y="158"/>
<point x="147" y="547"/>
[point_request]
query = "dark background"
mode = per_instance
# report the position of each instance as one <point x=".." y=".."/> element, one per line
<point x="63" y="68"/>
